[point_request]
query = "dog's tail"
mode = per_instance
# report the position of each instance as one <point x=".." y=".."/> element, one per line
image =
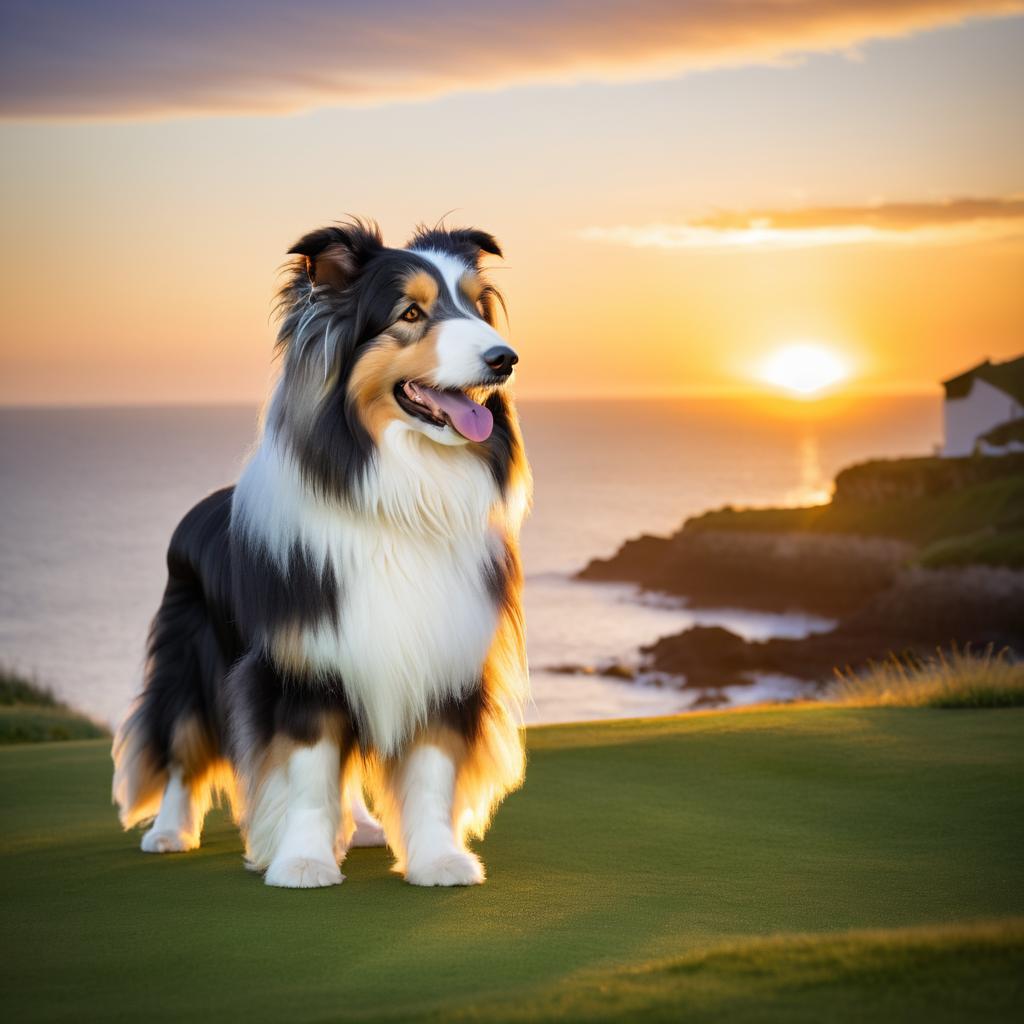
<point x="175" y="721"/>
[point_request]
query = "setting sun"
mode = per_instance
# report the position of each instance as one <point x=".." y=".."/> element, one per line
<point x="804" y="368"/>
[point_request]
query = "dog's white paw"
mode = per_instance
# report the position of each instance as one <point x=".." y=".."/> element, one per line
<point x="303" y="873"/>
<point x="458" y="868"/>
<point x="163" y="841"/>
<point x="368" y="834"/>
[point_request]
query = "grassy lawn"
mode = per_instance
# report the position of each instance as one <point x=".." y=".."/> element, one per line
<point x="827" y="864"/>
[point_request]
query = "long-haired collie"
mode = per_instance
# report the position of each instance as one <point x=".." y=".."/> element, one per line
<point x="348" y="614"/>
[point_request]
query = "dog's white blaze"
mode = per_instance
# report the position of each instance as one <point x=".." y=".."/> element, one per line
<point x="461" y="342"/>
<point x="452" y="270"/>
<point x="415" y="620"/>
<point x="426" y="790"/>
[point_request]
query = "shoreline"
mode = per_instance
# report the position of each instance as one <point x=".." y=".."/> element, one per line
<point x="875" y="559"/>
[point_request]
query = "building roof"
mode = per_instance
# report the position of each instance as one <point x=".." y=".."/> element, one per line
<point x="1008" y="377"/>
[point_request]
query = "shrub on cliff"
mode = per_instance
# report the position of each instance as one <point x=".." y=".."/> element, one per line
<point x="30" y="713"/>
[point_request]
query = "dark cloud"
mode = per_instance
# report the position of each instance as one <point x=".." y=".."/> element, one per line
<point x="139" y="58"/>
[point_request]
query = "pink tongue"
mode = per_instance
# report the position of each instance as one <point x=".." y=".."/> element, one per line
<point x="472" y="421"/>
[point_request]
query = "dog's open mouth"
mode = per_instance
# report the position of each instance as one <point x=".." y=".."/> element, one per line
<point x="445" y="408"/>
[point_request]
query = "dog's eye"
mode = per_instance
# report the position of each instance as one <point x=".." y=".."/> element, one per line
<point x="412" y="314"/>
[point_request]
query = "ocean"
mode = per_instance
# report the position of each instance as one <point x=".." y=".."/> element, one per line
<point x="89" y="497"/>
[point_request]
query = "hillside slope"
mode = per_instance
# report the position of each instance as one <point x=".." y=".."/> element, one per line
<point x="641" y="870"/>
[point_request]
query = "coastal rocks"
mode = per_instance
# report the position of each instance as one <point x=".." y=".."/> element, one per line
<point x="843" y="561"/>
<point x="926" y="610"/>
<point x="610" y="669"/>
<point x="708" y="656"/>
<point x="826" y="574"/>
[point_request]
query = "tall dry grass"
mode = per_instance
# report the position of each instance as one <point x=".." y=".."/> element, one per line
<point x="958" y="679"/>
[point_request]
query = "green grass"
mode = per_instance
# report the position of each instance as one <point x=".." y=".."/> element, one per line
<point x="825" y="864"/>
<point x="957" y="680"/>
<point x="30" y="713"/>
<point x="987" y="547"/>
<point x="993" y="507"/>
<point x="45" y="725"/>
<point x="956" y="511"/>
<point x="18" y="689"/>
<point x="899" y="974"/>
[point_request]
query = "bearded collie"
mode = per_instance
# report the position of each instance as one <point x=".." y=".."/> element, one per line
<point x="348" y="616"/>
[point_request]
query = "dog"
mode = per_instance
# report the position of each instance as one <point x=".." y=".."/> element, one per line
<point x="348" y="616"/>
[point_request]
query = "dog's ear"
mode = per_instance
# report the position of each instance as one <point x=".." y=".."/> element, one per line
<point x="468" y="243"/>
<point x="481" y="241"/>
<point x="335" y="255"/>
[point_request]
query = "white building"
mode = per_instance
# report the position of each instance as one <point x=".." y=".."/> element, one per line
<point x="984" y="409"/>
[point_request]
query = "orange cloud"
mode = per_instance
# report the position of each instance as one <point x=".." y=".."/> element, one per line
<point x="126" y="59"/>
<point x="951" y="221"/>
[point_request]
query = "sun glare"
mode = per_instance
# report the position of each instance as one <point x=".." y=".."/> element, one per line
<point x="804" y="368"/>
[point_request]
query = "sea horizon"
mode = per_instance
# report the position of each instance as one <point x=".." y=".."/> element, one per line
<point x="780" y="398"/>
<point x="93" y="494"/>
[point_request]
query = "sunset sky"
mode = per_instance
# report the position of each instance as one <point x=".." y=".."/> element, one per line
<point x="681" y="189"/>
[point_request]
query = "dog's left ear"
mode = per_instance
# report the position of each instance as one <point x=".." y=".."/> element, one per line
<point x="481" y="241"/>
<point x="468" y="243"/>
<point x="335" y="255"/>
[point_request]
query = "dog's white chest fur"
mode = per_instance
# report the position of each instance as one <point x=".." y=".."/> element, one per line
<point x="415" y="626"/>
<point x="416" y="616"/>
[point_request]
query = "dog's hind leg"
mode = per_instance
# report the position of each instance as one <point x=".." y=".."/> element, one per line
<point x="174" y="789"/>
<point x="366" y="830"/>
<point x="191" y="777"/>
<point x="175" y="827"/>
<point x="167" y="754"/>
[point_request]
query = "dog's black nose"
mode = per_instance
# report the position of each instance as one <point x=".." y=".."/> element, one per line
<point x="501" y="359"/>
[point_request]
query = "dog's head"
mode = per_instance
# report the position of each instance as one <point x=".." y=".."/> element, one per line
<point x="377" y="339"/>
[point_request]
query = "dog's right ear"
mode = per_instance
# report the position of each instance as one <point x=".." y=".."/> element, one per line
<point x="335" y="255"/>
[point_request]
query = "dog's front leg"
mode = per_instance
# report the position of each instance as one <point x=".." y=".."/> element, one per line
<point x="304" y="857"/>
<point x="434" y="855"/>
